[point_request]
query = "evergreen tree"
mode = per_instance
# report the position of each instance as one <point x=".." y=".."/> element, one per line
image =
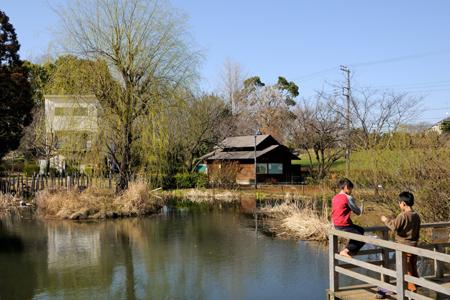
<point x="16" y="100"/>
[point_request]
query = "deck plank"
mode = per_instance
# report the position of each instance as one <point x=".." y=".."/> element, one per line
<point x="358" y="292"/>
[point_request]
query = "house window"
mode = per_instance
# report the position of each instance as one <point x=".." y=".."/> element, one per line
<point x="261" y="168"/>
<point x="275" y="168"/>
<point x="71" y="111"/>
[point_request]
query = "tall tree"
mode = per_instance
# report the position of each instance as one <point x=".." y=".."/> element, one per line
<point x="16" y="100"/>
<point x="232" y="84"/>
<point x="268" y="107"/>
<point x="144" y="44"/>
<point x="318" y="131"/>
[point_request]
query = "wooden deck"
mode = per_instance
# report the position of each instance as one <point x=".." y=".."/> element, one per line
<point x="391" y="276"/>
<point x="367" y="291"/>
<point x="356" y="292"/>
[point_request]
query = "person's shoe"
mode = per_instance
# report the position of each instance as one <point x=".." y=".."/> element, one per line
<point x="380" y="295"/>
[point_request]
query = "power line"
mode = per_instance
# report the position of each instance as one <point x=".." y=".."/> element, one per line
<point x="374" y="62"/>
<point x="399" y="58"/>
<point x="416" y="85"/>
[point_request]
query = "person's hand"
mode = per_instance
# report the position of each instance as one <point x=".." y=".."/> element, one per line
<point x="383" y="219"/>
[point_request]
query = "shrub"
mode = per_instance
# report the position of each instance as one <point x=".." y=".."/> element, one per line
<point x="30" y="168"/>
<point x="200" y="180"/>
<point x="421" y="166"/>
<point x="183" y="181"/>
<point x="224" y="174"/>
<point x="191" y="180"/>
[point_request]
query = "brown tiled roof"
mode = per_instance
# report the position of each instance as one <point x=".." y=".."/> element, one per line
<point x="240" y="155"/>
<point x="224" y="155"/>
<point x="242" y="141"/>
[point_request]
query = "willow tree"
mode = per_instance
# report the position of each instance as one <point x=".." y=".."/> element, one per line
<point x="144" y="44"/>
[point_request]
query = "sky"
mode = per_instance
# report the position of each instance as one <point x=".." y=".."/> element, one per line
<point x="399" y="46"/>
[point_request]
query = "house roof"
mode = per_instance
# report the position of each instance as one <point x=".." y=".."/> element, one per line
<point x="240" y="155"/>
<point x="71" y="98"/>
<point x="242" y="141"/>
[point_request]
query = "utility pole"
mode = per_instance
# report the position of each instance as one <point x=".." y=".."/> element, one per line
<point x="346" y="92"/>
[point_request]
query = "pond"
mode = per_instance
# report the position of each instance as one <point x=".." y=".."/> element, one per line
<point x="189" y="254"/>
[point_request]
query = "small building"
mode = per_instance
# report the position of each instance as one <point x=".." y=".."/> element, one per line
<point x="71" y="124"/>
<point x="438" y="127"/>
<point x="273" y="160"/>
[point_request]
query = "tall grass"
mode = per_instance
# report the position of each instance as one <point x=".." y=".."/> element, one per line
<point x="8" y="204"/>
<point x="298" y="220"/>
<point x="97" y="203"/>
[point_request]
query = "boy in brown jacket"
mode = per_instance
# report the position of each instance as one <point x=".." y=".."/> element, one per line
<point x="406" y="227"/>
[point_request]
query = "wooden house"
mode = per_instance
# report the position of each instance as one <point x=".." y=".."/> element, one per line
<point x="273" y="160"/>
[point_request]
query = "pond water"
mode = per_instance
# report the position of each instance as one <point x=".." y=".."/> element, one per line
<point x="179" y="255"/>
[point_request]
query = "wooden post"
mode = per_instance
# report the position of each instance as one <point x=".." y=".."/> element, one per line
<point x="385" y="256"/>
<point x="438" y="266"/>
<point x="21" y="181"/>
<point x="32" y="183"/>
<point x="399" y="264"/>
<point x="334" y="276"/>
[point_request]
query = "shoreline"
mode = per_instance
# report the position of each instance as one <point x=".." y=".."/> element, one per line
<point x="285" y="213"/>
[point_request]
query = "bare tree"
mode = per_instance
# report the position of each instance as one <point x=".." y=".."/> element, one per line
<point x="318" y="131"/>
<point x="39" y="139"/>
<point x="376" y="113"/>
<point x="208" y="122"/>
<point x="144" y="45"/>
<point x="232" y="83"/>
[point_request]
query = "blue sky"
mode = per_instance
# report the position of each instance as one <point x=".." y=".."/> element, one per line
<point x="305" y="41"/>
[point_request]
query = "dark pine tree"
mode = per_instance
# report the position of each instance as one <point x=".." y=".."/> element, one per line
<point x="16" y="100"/>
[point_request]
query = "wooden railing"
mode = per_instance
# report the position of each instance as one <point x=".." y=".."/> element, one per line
<point x="343" y="265"/>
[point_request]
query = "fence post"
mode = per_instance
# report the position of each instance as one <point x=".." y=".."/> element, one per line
<point x="33" y="179"/>
<point x="399" y="264"/>
<point x="385" y="257"/>
<point x="438" y="266"/>
<point x="334" y="277"/>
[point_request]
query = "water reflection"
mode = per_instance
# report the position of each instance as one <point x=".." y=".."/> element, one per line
<point x="203" y="255"/>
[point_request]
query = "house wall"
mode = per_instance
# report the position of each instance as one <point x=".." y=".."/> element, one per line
<point x="72" y="118"/>
<point x="246" y="173"/>
<point x="55" y="122"/>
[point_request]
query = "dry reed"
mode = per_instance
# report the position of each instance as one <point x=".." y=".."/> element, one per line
<point x="8" y="204"/>
<point x="208" y="196"/>
<point x="298" y="221"/>
<point x="96" y="203"/>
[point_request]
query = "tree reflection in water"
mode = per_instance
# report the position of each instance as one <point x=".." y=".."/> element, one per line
<point x="195" y="255"/>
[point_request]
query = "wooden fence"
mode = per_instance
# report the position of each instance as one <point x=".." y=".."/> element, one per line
<point x="343" y="265"/>
<point x="25" y="186"/>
